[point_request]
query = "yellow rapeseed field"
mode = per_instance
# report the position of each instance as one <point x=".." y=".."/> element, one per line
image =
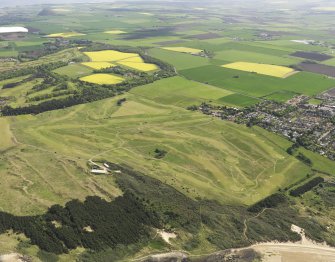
<point x="66" y="34"/>
<point x="109" y="55"/>
<point x="183" y="50"/>
<point x="131" y="60"/>
<point x="139" y="66"/>
<point x="98" y="65"/>
<point x="134" y="59"/>
<point x="115" y="32"/>
<point x="102" y="79"/>
<point x="264" y="69"/>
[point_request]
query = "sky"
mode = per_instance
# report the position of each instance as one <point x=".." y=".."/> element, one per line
<point x="4" y="3"/>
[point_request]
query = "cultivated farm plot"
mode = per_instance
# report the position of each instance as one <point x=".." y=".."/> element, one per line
<point x="131" y="60"/>
<point x="318" y="68"/>
<point x="65" y="35"/>
<point x="98" y="65"/>
<point x="312" y="56"/>
<point x="179" y="60"/>
<point x="181" y="92"/>
<point x="235" y="56"/>
<point x="258" y="85"/>
<point x="186" y="50"/>
<point x="102" y="79"/>
<point x="109" y="56"/>
<point x="263" y="69"/>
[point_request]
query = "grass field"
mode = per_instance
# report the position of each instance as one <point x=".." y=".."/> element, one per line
<point x="102" y="79"/>
<point x="74" y="70"/>
<point x="263" y="69"/>
<point x="235" y="56"/>
<point x="98" y="65"/>
<point x="181" y="92"/>
<point x="238" y="100"/>
<point x="315" y="101"/>
<point x="179" y="60"/>
<point x="6" y="138"/>
<point x="259" y="85"/>
<point x="330" y="62"/>
<point x="232" y="163"/>
<point x="281" y="96"/>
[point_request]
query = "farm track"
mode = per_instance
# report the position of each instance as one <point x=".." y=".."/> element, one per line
<point x="245" y="230"/>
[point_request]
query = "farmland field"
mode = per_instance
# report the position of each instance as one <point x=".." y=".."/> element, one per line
<point x="131" y="60"/>
<point x="98" y="65"/>
<point x="263" y="69"/>
<point x="312" y="56"/>
<point x="235" y="56"/>
<point x="102" y="79"/>
<point x="181" y="92"/>
<point x="65" y="35"/>
<point x="183" y="50"/>
<point x="179" y="60"/>
<point x="109" y="56"/>
<point x="258" y="85"/>
<point x="319" y="69"/>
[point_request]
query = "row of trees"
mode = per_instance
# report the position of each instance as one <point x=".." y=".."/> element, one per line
<point x="86" y="95"/>
<point x="306" y="187"/>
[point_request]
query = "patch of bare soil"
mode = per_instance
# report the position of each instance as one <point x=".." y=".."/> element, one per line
<point x="303" y="251"/>
<point x="14" y="257"/>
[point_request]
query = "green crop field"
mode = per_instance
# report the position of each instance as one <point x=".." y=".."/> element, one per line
<point x="179" y="60"/>
<point x="258" y="85"/>
<point x="245" y="56"/>
<point x="181" y="92"/>
<point x="238" y="100"/>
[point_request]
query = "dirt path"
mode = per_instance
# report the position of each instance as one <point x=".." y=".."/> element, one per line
<point x="247" y="220"/>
